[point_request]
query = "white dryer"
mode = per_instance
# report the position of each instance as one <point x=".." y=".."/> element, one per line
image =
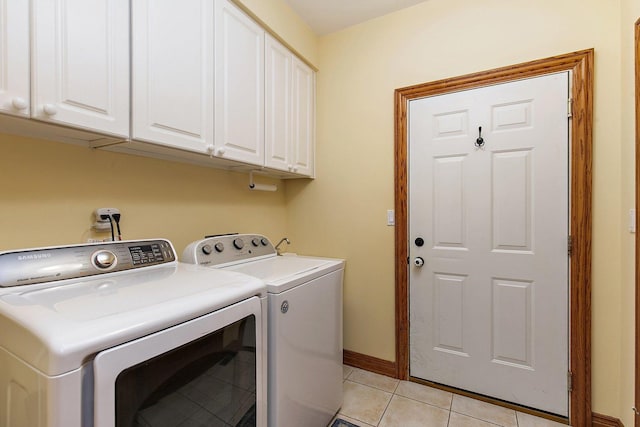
<point x="304" y="324"/>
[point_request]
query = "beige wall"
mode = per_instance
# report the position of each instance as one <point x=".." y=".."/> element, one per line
<point x="342" y="213"/>
<point x="278" y="16"/>
<point x="630" y="13"/>
<point x="49" y="190"/>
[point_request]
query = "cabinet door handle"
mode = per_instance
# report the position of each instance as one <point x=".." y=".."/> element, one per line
<point x="220" y="151"/>
<point x="19" y="103"/>
<point x="50" y="109"/>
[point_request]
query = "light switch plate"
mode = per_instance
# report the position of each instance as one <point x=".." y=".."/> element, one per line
<point x="391" y="217"/>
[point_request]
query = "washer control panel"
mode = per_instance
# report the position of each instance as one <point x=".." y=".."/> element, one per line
<point x="228" y="248"/>
<point x="33" y="266"/>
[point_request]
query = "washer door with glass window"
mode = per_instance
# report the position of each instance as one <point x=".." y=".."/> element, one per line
<point x="201" y="372"/>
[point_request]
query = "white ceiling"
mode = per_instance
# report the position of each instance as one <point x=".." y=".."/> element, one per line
<point x="327" y="16"/>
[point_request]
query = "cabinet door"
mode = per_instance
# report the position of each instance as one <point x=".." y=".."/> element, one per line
<point x="172" y="73"/>
<point x="14" y="57"/>
<point x="277" y="105"/>
<point x="304" y="99"/>
<point x="80" y="64"/>
<point x="239" y="85"/>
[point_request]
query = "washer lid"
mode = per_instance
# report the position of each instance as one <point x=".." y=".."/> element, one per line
<point x="285" y="272"/>
<point x="56" y="328"/>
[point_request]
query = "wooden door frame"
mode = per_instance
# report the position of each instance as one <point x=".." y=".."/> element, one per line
<point x="637" y="263"/>
<point x="581" y="64"/>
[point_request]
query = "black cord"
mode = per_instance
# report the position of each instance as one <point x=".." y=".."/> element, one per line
<point x="111" y="223"/>
<point x="105" y="217"/>
<point x="116" y="218"/>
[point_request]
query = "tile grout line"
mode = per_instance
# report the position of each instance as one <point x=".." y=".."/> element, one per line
<point x="372" y="386"/>
<point x="422" y="402"/>
<point x="393" y="393"/>
<point x="479" y="419"/>
<point x="450" y="410"/>
<point x="385" y="410"/>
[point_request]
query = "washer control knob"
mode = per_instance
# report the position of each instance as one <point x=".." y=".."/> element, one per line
<point x="104" y="259"/>
<point x="219" y="247"/>
<point x="255" y="242"/>
<point x="207" y="249"/>
<point x="238" y="244"/>
<point x="264" y="241"/>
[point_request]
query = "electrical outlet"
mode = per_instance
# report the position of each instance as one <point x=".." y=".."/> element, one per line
<point x="104" y="224"/>
<point x="106" y="211"/>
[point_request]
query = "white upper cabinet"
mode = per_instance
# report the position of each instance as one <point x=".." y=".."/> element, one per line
<point x="80" y="64"/>
<point x="14" y="57"/>
<point x="289" y="110"/>
<point x="278" y="85"/>
<point x="190" y="80"/>
<point x="304" y="123"/>
<point x="239" y="85"/>
<point x="172" y="73"/>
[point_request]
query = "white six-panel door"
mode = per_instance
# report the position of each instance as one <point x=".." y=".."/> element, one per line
<point x="489" y="308"/>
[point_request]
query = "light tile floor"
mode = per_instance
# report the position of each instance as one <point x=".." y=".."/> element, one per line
<point x="376" y="400"/>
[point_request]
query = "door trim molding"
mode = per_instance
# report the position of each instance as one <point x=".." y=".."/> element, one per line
<point x="581" y="65"/>
<point x="637" y="263"/>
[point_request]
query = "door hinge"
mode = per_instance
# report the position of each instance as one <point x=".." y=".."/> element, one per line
<point x="569" y="245"/>
<point x="570" y="107"/>
<point x="569" y="381"/>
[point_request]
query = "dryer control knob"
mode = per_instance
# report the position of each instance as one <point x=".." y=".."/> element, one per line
<point x="238" y="244"/>
<point x="207" y="249"/>
<point x="255" y="242"/>
<point x="104" y="259"/>
<point x="219" y="247"/>
<point x="264" y="241"/>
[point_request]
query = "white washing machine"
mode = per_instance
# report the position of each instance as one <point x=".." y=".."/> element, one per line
<point x="304" y="324"/>
<point x="121" y="334"/>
